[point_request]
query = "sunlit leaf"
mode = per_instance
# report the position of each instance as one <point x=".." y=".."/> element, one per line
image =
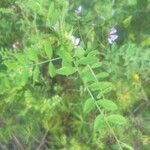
<point x="96" y="65"/>
<point x="48" y="49"/>
<point x="100" y="85"/>
<point x="66" y="70"/>
<point x="88" y="60"/>
<point x="88" y="105"/>
<point x="51" y="69"/>
<point x="107" y="104"/>
<point x="99" y="123"/>
<point x="102" y="75"/>
<point x="127" y="21"/>
<point x="116" y="119"/>
<point x="36" y="73"/>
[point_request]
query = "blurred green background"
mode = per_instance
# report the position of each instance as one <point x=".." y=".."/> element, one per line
<point x="40" y="109"/>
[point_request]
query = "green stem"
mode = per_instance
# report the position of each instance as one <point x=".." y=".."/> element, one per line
<point x="96" y="104"/>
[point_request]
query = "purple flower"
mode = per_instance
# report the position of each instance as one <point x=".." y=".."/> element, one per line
<point x="112" y="35"/>
<point x="113" y="30"/>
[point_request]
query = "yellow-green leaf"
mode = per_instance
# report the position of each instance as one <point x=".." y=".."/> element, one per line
<point x="107" y="104"/>
<point x="88" y="105"/>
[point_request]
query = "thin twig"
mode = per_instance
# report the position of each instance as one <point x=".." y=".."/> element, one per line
<point x="18" y="143"/>
<point x="144" y="93"/>
<point x="42" y="141"/>
<point x="138" y="107"/>
<point x="43" y="62"/>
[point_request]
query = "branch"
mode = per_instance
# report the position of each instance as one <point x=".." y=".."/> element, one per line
<point x="18" y="143"/>
<point x="42" y="141"/>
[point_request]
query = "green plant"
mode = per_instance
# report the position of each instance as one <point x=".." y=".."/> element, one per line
<point x="61" y="86"/>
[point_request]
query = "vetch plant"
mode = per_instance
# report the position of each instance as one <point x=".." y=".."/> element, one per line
<point x="52" y="89"/>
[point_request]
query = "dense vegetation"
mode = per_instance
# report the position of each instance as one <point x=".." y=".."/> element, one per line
<point x="74" y="75"/>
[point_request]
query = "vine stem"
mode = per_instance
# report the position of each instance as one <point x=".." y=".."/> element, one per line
<point x="43" y="62"/>
<point x="96" y="104"/>
<point x="111" y="129"/>
<point x="39" y="63"/>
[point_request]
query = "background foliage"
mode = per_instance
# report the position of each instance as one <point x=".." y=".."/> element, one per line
<point x="63" y="86"/>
